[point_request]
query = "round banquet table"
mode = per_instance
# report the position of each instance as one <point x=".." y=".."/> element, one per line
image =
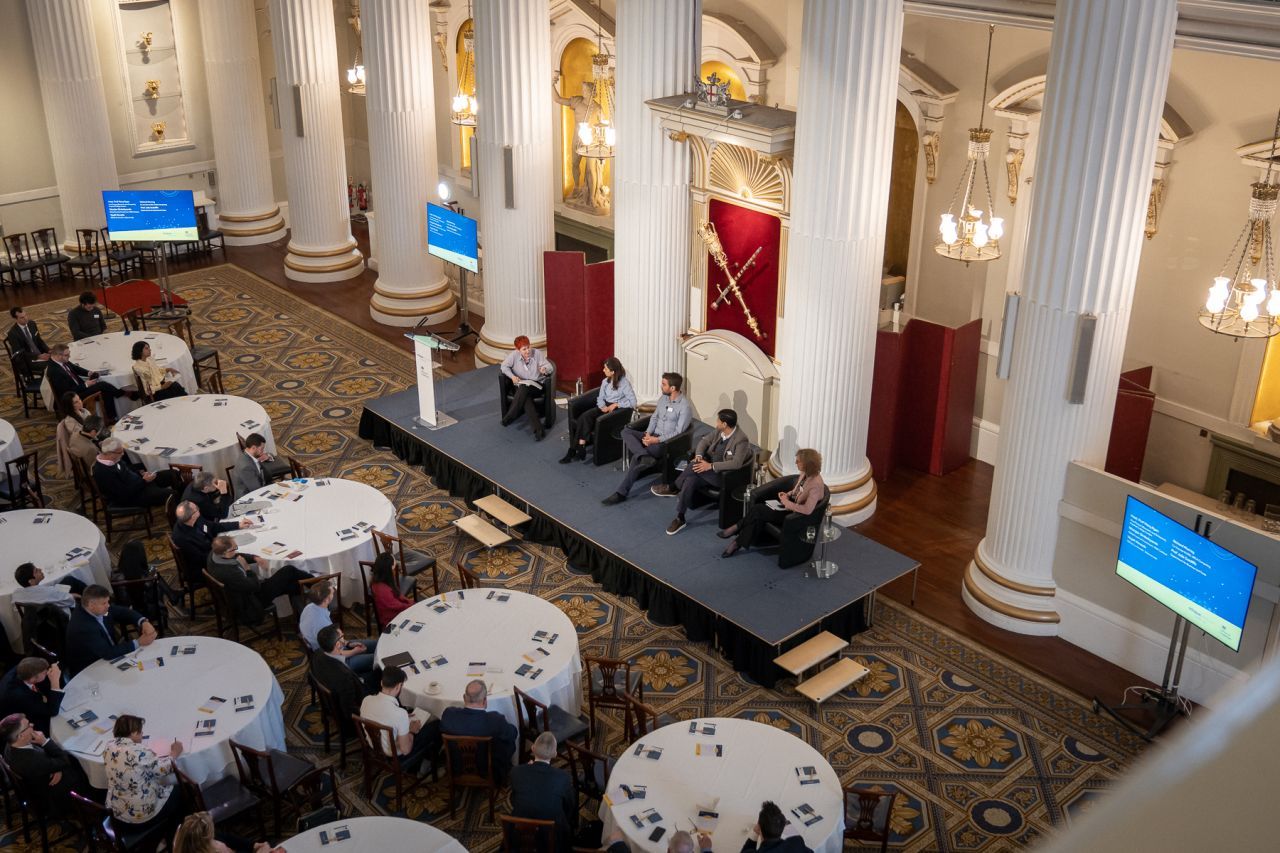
<point x="111" y="355"/>
<point x="309" y="516"/>
<point x="183" y="424"/>
<point x="10" y="446"/>
<point x="170" y="698"/>
<point x="481" y="627"/>
<point x="50" y="545"/>
<point x="759" y="763"/>
<point x="376" y="833"/>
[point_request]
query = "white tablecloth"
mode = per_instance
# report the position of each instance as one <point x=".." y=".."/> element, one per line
<point x="390" y="834"/>
<point x="47" y="545"/>
<point x="10" y="446"/>
<point x="183" y="423"/>
<point x="111" y="355"/>
<point x="170" y="697"/>
<point x="311" y="524"/>
<point x="759" y="763"/>
<point x="480" y="627"/>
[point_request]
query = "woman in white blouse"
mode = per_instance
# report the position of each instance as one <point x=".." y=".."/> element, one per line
<point x="140" y="789"/>
<point x="155" y="381"/>
<point x="615" y="393"/>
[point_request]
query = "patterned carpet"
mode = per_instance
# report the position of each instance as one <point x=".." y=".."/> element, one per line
<point x="985" y="754"/>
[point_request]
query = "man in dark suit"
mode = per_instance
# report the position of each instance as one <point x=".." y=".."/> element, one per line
<point x="209" y="494"/>
<point x="474" y="719"/>
<point x="92" y="633"/>
<point x="542" y="792"/>
<point x="767" y="835"/>
<point x="122" y="486"/>
<point x="332" y="672"/>
<point x="248" y="594"/>
<point x="193" y="533"/>
<point x="40" y="763"/>
<point x="65" y="375"/>
<point x="726" y="449"/>
<point x="85" y="320"/>
<point x="25" y="341"/>
<point x="33" y="688"/>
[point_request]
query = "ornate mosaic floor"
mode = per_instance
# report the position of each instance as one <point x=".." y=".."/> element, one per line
<point x="985" y="754"/>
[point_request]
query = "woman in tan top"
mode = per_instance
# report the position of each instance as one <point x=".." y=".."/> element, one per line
<point x="802" y="499"/>
<point x="156" y="382"/>
<point x="71" y="416"/>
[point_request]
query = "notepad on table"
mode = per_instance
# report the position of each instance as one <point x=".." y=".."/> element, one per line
<point x="807" y="775"/>
<point x="244" y="703"/>
<point x="211" y="704"/>
<point x="703" y="728"/>
<point x="716" y="749"/>
<point x="333" y="836"/>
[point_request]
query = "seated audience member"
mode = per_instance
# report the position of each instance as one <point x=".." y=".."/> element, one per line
<point x="209" y="494"/>
<point x="359" y="654"/>
<point x="33" y="591"/>
<point x="71" y="415"/>
<point x="255" y="467"/>
<point x="85" y="444"/>
<point x="249" y="595"/>
<point x="194" y="534"/>
<point x="767" y="833"/>
<point x="86" y="318"/>
<point x="25" y="341"/>
<point x="41" y="765"/>
<point x="542" y="792"/>
<point x="122" y="486"/>
<point x="133" y="565"/>
<point x="197" y="834"/>
<point x="415" y="739"/>
<point x="802" y="498"/>
<point x="158" y="383"/>
<point x="671" y="417"/>
<point x="64" y="375"/>
<point x="682" y="842"/>
<point x="474" y="720"/>
<point x="726" y="449"/>
<point x="138" y="790"/>
<point x="388" y="603"/>
<point x="33" y="688"/>
<point x="615" y="393"/>
<point x="330" y="668"/>
<point x="92" y="634"/>
<point x="526" y="367"/>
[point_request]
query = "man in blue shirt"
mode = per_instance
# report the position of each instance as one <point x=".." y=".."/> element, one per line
<point x="359" y="654"/>
<point x="671" y="416"/>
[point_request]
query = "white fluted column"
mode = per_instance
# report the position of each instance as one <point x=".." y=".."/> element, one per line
<point x="321" y="247"/>
<point x="844" y="153"/>
<point x="247" y="209"/>
<point x="513" y="89"/>
<point x="75" y="111"/>
<point x="1084" y="242"/>
<point x="658" y="43"/>
<point x="400" y="104"/>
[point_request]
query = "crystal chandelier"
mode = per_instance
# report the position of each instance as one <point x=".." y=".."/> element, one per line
<point x="355" y="74"/>
<point x="597" y="136"/>
<point x="463" y="109"/>
<point x="1244" y="301"/>
<point x="967" y="233"/>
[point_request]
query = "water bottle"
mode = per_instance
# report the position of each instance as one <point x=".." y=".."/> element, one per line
<point x="577" y="387"/>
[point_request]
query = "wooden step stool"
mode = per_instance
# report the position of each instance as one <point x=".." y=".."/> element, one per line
<point x="503" y="512"/>
<point x="810" y="653"/>
<point x="482" y="531"/>
<point x="832" y="680"/>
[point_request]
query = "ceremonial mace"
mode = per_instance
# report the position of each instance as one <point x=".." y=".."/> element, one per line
<point x="707" y="231"/>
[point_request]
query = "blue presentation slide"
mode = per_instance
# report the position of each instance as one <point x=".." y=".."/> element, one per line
<point x="160" y="215"/>
<point x="452" y="237"/>
<point x="1202" y="582"/>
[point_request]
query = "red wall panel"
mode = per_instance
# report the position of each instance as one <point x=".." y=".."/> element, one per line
<point x="741" y="231"/>
<point x="579" y="306"/>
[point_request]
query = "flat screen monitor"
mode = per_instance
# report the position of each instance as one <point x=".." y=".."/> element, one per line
<point x="452" y="237"/>
<point x="151" y="215"/>
<point x="1200" y="581"/>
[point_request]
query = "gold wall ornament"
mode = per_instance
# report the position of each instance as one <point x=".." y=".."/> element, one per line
<point x="144" y="42"/>
<point x="931" y="142"/>
<point x="707" y="232"/>
<point x="1013" y="164"/>
<point x="739" y="171"/>
<point x="153" y="89"/>
<point x="1154" y="203"/>
<point x="157" y="128"/>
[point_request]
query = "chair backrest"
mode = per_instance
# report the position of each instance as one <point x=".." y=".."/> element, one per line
<point x="470" y="760"/>
<point x="378" y="742"/>
<point x="93" y="403"/>
<point x="222" y="609"/>
<point x="87" y="241"/>
<point x="17" y="247"/>
<point x="185" y="574"/>
<point x="638" y="719"/>
<point x="171" y="510"/>
<point x="526" y="835"/>
<point x="603" y="689"/>
<point x="469" y="579"/>
<point x="94" y="820"/>
<point x="212" y="376"/>
<point x="298" y="470"/>
<point x="143" y="595"/>
<point x="23" y="474"/>
<point x="532" y="719"/>
<point x="329" y="705"/>
<point x="190" y="790"/>
<point x="335" y="581"/>
<point x="230" y="477"/>
<point x="181" y="328"/>
<point x="371" y="615"/>
<point x="872" y="820"/>
<point x="256" y="768"/>
<point x="185" y="473"/>
<point x="45" y="241"/>
<point x="590" y="770"/>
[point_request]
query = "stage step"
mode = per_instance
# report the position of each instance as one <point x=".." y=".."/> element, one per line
<point x="832" y="680"/>
<point x="810" y="653"/>
<point x="495" y="507"/>
<point x="482" y="531"/>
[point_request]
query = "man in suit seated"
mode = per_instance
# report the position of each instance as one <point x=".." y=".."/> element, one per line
<point x="32" y="688"/>
<point x="331" y="670"/>
<point x="25" y="341"/>
<point x="209" y="494"/>
<point x="542" y="792"/>
<point x="474" y="720"/>
<point x="416" y="737"/>
<point x="726" y="449"/>
<point x="86" y="319"/>
<point x="122" y="486"/>
<point x="33" y="591"/>
<point x="255" y="467"/>
<point x="671" y="416"/>
<point x="64" y="375"/>
<point x="193" y="534"/>
<point x="92" y="634"/>
<point x="767" y="837"/>
<point x="40" y="763"/>
<point x="249" y="596"/>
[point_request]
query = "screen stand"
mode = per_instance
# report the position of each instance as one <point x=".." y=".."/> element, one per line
<point x="464" y="329"/>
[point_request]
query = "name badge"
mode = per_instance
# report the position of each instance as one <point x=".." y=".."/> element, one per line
<point x="670" y="409"/>
<point x="729" y="453"/>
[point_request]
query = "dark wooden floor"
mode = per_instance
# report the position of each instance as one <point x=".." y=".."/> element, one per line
<point x="936" y="520"/>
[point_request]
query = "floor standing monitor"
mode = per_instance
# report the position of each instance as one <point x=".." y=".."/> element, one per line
<point x="151" y="215"/>
<point x="452" y="237"/>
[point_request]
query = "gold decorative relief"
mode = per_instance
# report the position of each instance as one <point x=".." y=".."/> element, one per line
<point x="144" y="42"/>
<point x="745" y="174"/>
<point x="157" y="129"/>
<point x="931" y="142"/>
<point x="1013" y="163"/>
<point x="153" y="89"/>
<point x="1154" y="202"/>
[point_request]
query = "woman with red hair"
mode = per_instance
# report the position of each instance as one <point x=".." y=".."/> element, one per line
<point x="527" y="368"/>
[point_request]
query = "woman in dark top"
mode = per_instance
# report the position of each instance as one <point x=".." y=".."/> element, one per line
<point x="615" y="393"/>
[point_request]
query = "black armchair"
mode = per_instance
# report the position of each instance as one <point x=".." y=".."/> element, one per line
<point x="734" y="484"/>
<point x="673" y="450"/>
<point x="544" y="399"/>
<point x="794" y="547"/>
<point x="606" y="439"/>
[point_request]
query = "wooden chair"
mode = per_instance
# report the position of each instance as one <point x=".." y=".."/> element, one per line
<point x="203" y="357"/>
<point x="470" y="763"/>
<point x="29" y="800"/>
<point x="87" y="263"/>
<point x="229" y="476"/>
<point x="298" y="470"/>
<point x="335" y="581"/>
<point x="112" y="513"/>
<point x="607" y="680"/>
<point x="89" y="503"/>
<point x="171" y="510"/>
<point x="224" y="799"/>
<point x="590" y="771"/>
<point x="534" y="717"/>
<point x="866" y="815"/>
<point x="282" y="779"/>
<point x="372" y="624"/>
<point x="22" y="482"/>
<point x="45" y="241"/>
<point x="378" y="750"/>
<point x="409" y="561"/>
<point x="134" y="320"/>
<point x="640" y="719"/>
<point x="26" y="384"/>
<point x="469" y="579"/>
<point x="526" y="835"/>
<point x="143" y="595"/>
<point x="190" y="580"/>
<point x="122" y="258"/>
<point x="93" y="403"/>
<point x="22" y="259"/>
<point x="101" y="831"/>
<point x="186" y="473"/>
<point x="225" y="615"/>
<point x="211" y="380"/>
<point x="331" y="715"/>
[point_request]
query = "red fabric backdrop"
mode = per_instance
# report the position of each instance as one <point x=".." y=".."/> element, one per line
<point x="579" y="315"/>
<point x="741" y="230"/>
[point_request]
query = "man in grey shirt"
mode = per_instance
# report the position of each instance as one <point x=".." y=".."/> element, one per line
<point x="671" y="417"/>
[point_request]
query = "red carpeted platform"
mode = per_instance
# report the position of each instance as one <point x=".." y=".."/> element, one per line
<point x="138" y="293"/>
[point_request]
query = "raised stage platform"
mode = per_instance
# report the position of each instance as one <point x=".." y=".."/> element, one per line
<point x="746" y="606"/>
